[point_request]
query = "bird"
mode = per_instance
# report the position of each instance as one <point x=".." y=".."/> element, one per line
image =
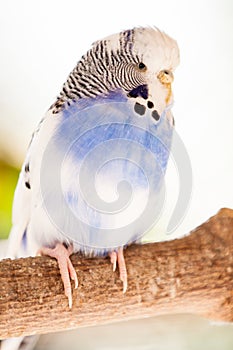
<point x="93" y="177"/>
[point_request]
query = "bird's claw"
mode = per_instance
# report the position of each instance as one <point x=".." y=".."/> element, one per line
<point x="67" y="271"/>
<point x="118" y="257"/>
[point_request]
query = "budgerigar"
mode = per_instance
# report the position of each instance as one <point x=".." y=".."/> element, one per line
<point x="95" y="166"/>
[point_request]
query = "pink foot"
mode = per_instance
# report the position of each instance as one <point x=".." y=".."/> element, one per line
<point x="119" y="257"/>
<point x="67" y="270"/>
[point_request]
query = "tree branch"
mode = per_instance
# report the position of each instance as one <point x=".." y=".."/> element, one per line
<point x="193" y="274"/>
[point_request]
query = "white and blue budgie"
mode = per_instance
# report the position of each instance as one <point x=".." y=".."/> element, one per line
<point x="93" y="176"/>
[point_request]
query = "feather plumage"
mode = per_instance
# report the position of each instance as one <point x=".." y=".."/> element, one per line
<point x="110" y="126"/>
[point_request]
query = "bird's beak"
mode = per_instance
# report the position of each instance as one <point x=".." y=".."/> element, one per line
<point x="166" y="78"/>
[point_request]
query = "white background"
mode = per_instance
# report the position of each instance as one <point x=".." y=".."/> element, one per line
<point x="40" y="43"/>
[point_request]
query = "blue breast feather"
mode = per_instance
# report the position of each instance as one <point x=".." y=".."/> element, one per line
<point x="105" y="168"/>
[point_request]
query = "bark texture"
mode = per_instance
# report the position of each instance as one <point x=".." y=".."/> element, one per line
<point x="193" y="274"/>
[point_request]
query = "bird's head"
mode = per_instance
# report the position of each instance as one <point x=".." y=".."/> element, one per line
<point x="147" y="60"/>
<point x="140" y="62"/>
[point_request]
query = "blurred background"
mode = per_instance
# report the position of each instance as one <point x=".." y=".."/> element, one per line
<point x="40" y="43"/>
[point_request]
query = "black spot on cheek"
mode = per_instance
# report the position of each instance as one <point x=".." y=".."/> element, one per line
<point x="140" y="109"/>
<point x="155" y="115"/>
<point x="27" y="184"/>
<point x="150" y="104"/>
<point x="139" y="91"/>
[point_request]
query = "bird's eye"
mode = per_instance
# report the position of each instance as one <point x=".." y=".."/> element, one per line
<point x="142" y="66"/>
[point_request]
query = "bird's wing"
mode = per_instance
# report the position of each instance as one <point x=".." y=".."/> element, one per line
<point x="20" y="215"/>
<point x="22" y="204"/>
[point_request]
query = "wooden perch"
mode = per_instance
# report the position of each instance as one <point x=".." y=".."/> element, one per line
<point x="193" y="274"/>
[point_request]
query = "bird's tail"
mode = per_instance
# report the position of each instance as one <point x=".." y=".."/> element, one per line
<point x="20" y="343"/>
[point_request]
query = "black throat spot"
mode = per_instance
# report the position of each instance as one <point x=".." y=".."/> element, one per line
<point x="139" y="91"/>
<point x="139" y="109"/>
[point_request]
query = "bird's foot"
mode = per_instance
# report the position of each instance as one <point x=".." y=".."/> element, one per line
<point x="118" y="257"/>
<point x="62" y="254"/>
